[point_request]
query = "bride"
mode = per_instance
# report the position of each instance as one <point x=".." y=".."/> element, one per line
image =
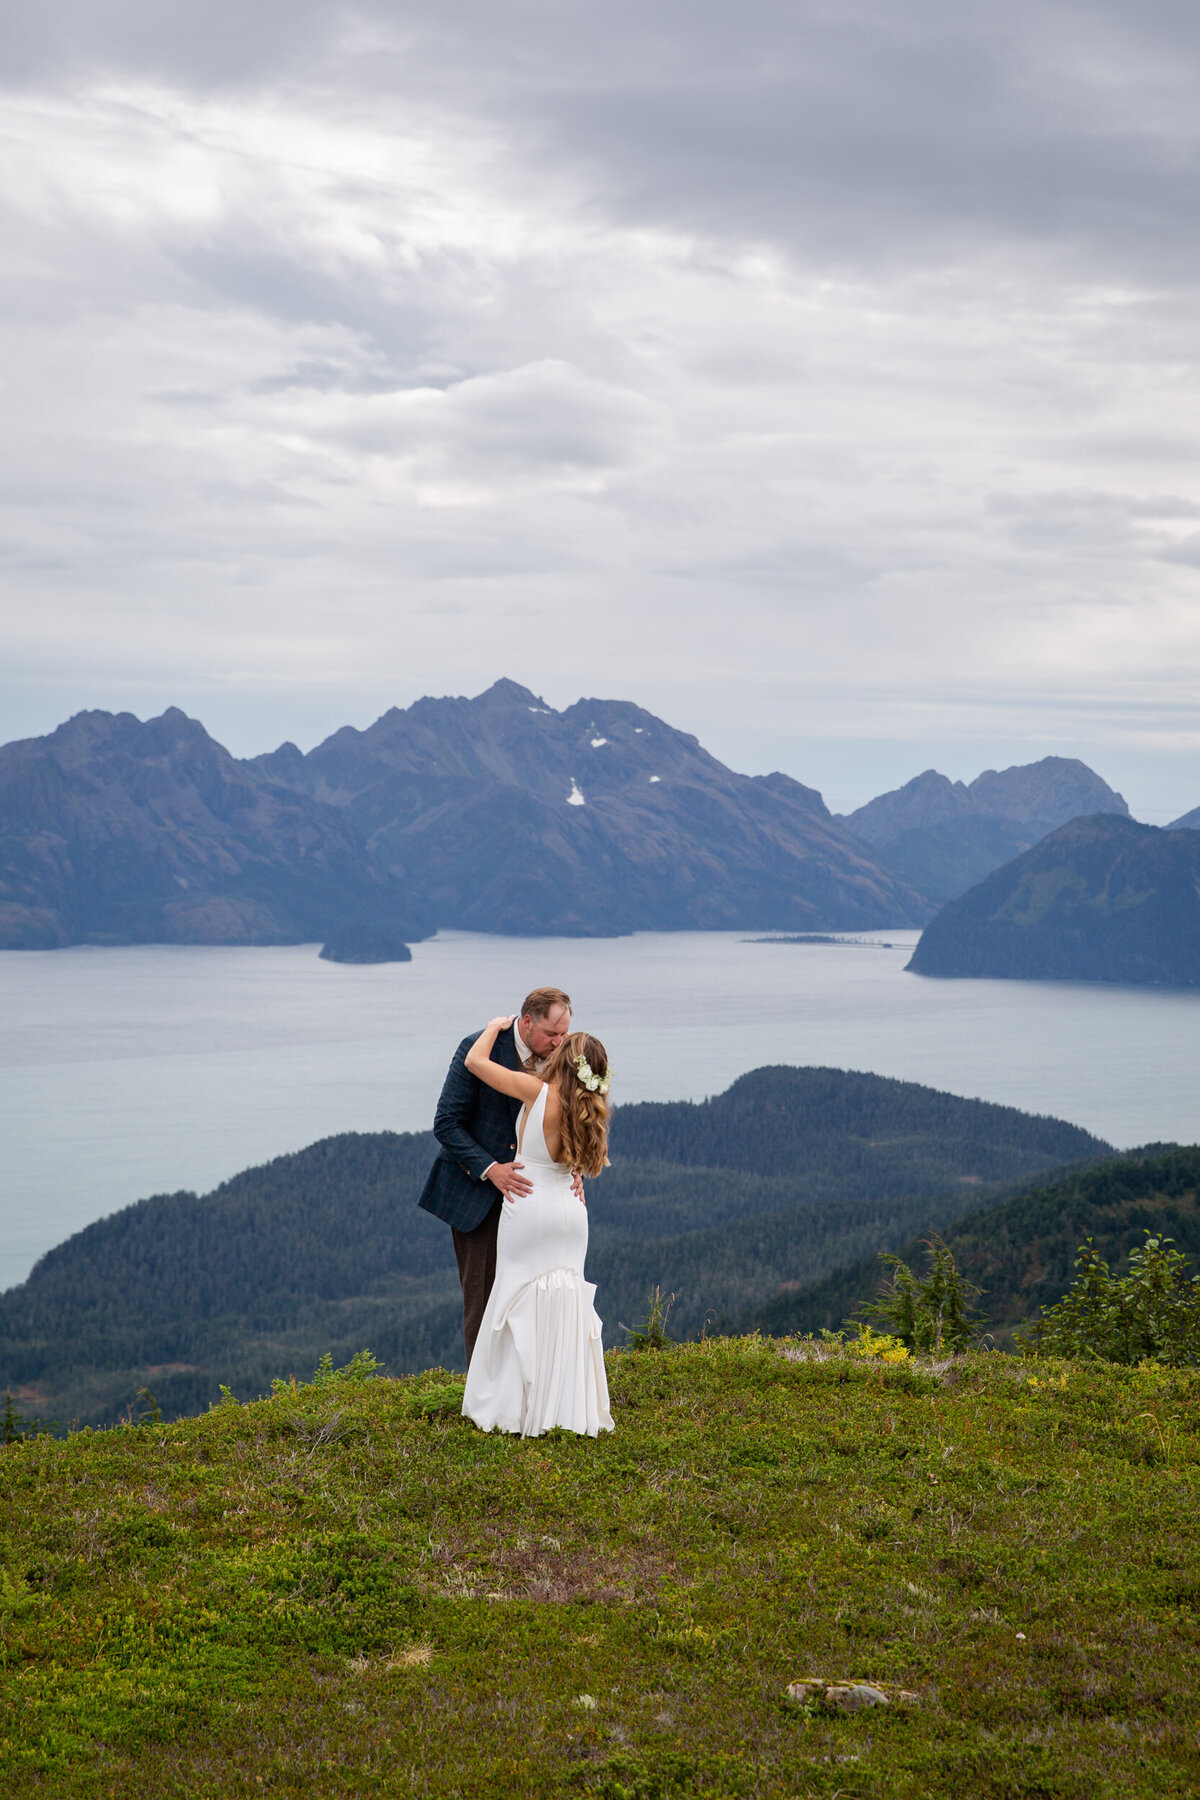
<point x="538" y="1361"/>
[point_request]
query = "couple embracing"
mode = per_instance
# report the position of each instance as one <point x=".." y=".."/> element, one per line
<point x="522" y="1118"/>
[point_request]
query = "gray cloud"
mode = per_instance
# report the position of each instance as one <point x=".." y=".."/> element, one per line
<point x="798" y="370"/>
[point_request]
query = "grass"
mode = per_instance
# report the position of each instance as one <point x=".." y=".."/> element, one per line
<point x="347" y="1590"/>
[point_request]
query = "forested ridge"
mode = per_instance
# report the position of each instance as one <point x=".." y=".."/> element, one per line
<point x="1021" y="1253"/>
<point x="787" y="1176"/>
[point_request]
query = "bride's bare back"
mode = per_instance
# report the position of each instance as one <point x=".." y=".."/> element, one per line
<point x="551" y="1123"/>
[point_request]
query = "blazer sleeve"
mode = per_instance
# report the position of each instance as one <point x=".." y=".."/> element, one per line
<point x="455" y="1112"/>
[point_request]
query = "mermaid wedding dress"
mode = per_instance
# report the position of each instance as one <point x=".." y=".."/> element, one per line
<point x="538" y="1360"/>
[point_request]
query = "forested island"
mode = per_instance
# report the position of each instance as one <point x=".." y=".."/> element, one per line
<point x="366" y="944"/>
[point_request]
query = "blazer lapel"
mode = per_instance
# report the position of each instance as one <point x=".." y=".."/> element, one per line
<point x="504" y="1051"/>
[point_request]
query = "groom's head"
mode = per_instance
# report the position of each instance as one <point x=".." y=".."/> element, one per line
<point x="545" y="1019"/>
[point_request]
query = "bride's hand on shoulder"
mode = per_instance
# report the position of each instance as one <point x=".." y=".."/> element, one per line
<point x="500" y="1024"/>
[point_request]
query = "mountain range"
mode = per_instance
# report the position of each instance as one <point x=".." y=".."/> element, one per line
<point x="115" y="831"/>
<point x="1100" y="899"/>
<point x="788" y="1176"/>
<point x="943" y="836"/>
<point x="495" y="813"/>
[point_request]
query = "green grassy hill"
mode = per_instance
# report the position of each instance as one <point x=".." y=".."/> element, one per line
<point x="787" y="1176"/>
<point x="1022" y="1253"/>
<point x="348" y="1590"/>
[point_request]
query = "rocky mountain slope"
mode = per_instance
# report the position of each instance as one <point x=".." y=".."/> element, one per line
<point x="496" y="814"/>
<point x="943" y="836"/>
<point x="501" y="814"/>
<point x="1101" y="899"/>
<point x="115" y="831"/>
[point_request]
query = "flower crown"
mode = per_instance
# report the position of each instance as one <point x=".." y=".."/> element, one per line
<point x="595" y="1084"/>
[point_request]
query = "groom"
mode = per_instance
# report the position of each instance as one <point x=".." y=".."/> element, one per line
<point x="477" y="1130"/>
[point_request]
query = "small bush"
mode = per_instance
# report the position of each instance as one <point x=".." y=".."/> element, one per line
<point x="1150" y="1315"/>
<point x="361" y="1367"/>
<point x="651" y="1334"/>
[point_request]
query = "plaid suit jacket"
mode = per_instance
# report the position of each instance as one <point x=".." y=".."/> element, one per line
<point x="476" y="1127"/>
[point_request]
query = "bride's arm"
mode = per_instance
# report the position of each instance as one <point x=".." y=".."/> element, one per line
<point x="513" y="1082"/>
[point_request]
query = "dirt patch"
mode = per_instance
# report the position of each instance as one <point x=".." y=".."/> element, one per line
<point x="544" y="1570"/>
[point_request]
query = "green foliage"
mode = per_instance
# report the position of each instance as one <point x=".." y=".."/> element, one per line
<point x="931" y="1313"/>
<point x="651" y="1334"/>
<point x="1022" y="1251"/>
<point x="347" y="1590"/>
<point x="1150" y="1315"/>
<point x="361" y="1367"/>
<point x="441" y="1400"/>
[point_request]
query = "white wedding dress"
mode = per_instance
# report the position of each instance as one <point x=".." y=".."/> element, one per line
<point x="538" y="1360"/>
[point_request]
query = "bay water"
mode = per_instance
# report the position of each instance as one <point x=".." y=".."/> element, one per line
<point x="127" y="1072"/>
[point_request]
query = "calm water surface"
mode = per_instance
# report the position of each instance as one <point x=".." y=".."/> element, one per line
<point x="135" y="1071"/>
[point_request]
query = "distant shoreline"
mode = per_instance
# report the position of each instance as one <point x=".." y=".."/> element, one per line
<point x="821" y="937"/>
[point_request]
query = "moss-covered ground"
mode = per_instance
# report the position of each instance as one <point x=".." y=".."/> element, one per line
<point x="347" y="1590"/>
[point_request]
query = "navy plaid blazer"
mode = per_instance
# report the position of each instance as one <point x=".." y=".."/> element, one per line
<point x="476" y="1127"/>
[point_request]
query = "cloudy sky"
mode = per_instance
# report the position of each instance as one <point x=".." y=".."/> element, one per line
<point x="822" y="374"/>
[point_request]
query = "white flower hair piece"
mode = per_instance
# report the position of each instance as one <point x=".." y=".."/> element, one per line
<point x="595" y="1084"/>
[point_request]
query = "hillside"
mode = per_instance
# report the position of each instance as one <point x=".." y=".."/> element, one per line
<point x="348" y="1590"/>
<point x="789" y="1175"/>
<point x="494" y="814"/>
<point x="1022" y="1252"/>
<point x="943" y="836"/>
<point x="1101" y="899"/>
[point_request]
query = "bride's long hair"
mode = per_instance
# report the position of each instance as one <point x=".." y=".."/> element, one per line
<point x="585" y="1111"/>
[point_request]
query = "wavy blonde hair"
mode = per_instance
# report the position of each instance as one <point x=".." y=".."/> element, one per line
<point x="585" y="1115"/>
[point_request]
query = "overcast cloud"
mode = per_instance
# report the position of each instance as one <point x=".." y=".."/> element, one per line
<point x="824" y="376"/>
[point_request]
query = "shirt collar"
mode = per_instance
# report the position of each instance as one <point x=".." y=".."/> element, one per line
<point x="521" y="1047"/>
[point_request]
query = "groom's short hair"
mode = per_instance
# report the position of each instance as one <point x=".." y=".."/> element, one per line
<point x="543" y="1001"/>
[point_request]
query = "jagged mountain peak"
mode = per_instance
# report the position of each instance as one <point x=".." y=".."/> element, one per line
<point x="508" y="692"/>
<point x="943" y="835"/>
<point x="1046" y="793"/>
<point x="928" y="799"/>
<point x="1041" y="795"/>
<point x="92" y="738"/>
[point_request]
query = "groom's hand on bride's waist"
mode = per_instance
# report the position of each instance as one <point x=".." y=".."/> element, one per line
<point x="509" y="1179"/>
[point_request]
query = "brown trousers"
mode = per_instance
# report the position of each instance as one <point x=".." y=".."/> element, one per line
<point x="476" y="1253"/>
